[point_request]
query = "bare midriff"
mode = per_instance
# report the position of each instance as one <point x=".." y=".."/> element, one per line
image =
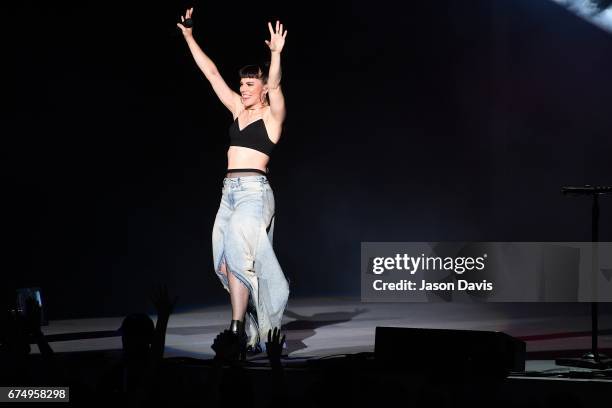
<point x="239" y="157"/>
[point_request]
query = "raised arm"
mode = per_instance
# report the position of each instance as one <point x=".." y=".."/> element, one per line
<point x="164" y="306"/>
<point x="275" y="93"/>
<point x="229" y="98"/>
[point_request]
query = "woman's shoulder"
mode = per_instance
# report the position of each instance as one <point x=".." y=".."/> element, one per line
<point x="267" y="115"/>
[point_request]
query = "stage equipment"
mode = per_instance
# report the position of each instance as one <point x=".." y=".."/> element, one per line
<point x="592" y="359"/>
<point x="466" y="352"/>
<point x="22" y="296"/>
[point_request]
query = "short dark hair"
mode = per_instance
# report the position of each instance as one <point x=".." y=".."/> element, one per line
<point x="259" y="71"/>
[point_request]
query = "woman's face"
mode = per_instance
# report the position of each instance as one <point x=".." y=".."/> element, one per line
<point x="252" y="91"/>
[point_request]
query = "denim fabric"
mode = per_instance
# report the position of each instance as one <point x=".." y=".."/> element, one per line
<point x="242" y="237"/>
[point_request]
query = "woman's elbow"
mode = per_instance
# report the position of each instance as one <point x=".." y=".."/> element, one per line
<point x="211" y="74"/>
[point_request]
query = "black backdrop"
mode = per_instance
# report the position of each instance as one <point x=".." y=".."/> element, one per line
<point x="440" y="120"/>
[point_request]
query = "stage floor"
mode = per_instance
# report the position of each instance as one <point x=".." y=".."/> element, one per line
<point x="317" y="327"/>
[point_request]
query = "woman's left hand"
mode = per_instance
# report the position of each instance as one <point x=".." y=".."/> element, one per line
<point x="277" y="37"/>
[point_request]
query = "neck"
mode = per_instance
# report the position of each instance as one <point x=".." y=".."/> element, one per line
<point x="252" y="108"/>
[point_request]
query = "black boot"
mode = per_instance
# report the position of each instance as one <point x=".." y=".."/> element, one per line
<point x="256" y="348"/>
<point x="237" y="327"/>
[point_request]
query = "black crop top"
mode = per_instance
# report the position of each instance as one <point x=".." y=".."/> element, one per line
<point x="254" y="136"/>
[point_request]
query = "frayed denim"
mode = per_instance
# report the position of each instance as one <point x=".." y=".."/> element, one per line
<point x="242" y="238"/>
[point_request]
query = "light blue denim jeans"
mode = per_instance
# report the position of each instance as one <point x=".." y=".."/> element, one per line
<point x="242" y="238"/>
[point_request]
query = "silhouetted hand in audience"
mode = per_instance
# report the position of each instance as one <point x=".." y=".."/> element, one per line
<point x="274" y="348"/>
<point x="161" y="300"/>
<point x="164" y="307"/>
<point x="274" y="345"/>
<point x="226" y="347"/>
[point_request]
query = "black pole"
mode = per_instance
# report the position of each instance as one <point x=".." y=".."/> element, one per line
<point x="594" y="310"/>
<point x="595" y="219"/>
<point x="593" y="359"/>
<point x="594" y="328"/>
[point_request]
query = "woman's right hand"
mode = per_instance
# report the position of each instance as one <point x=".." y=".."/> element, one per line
<point x="186" y="30"/>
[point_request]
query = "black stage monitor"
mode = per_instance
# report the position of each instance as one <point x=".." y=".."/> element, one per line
<point x="468" y="351"/>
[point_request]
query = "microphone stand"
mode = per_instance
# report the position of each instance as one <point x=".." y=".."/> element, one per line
<point x="592" y="359"/>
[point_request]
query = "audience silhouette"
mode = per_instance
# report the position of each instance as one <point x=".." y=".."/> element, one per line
<point x="143" y="377"/>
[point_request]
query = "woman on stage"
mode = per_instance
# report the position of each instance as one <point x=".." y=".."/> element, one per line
<point x="242" y="234"/>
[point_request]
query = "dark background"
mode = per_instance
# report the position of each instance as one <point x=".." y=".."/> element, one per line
<point x="432" y="121"/>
